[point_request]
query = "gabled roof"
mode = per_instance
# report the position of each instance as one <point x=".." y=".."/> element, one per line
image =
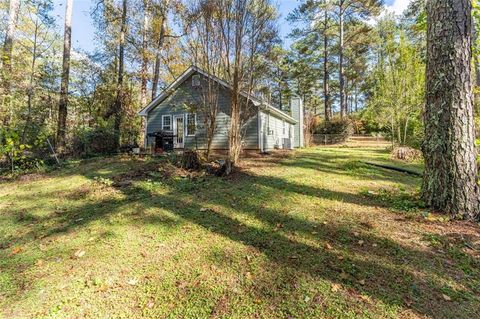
<point x="191" y="70"/>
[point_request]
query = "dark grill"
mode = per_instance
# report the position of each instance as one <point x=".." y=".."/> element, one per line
<point x="163" y="140"/>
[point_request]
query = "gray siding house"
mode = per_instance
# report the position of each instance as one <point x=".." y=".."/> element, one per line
<point x="264" y="128"/>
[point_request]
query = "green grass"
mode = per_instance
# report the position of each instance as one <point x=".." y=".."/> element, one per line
<point x="318" y="234"/>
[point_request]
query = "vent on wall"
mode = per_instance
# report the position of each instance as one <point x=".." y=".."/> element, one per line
<point x="196" y="80"/>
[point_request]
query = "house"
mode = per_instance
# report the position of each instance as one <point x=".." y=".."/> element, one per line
<point x="264" y="127"/>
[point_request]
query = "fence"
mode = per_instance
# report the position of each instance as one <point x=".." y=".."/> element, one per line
<point x="327" y="139"/>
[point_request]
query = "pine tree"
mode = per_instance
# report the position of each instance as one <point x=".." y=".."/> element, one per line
<point x="450" y="179"/>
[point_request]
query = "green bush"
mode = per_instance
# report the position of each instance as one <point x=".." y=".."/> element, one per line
<point x="96" y="141"/>
<point x="16" y="156"/>
<point x="343" y="127"/>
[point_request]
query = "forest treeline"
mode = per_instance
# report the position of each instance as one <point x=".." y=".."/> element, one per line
<point x="340" y="62"/>
<point x="347" y="60"/>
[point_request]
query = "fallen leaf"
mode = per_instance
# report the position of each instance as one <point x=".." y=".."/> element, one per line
<point x="150" y="304"/>
<point x="132" y="282"/>
<point x="356" y="234"/>
<point x="16" y="250"/>
<point x="328" y="246"/>
<point x="40" y="263"/>
<point x="362" y="282"/>
<point x="340" y="257"/>
<point x="336" y="287"/>
<point x="374" y="245"/>
<point x="80" y="253"/>
<point x="447" y="298"/>
<point x="361" y="242"/>
<point x="204" y="209"/>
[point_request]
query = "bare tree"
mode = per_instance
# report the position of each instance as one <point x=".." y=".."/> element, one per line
<point x="450" y="178"/>
<point x="63" y="104"/>
<point x="248" y="30"/>
<point x="204" y="43"/>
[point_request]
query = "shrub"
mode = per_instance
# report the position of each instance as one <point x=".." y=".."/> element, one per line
<point x="16" y="156"/>
<point x="343" y="127"/>
<point x="97" y="141"/>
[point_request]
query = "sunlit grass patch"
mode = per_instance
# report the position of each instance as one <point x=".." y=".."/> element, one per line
<point x="316" y="235"/>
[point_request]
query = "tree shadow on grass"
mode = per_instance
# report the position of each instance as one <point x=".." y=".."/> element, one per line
<point x="334" y="162"/>
<point x="395" y="274"/>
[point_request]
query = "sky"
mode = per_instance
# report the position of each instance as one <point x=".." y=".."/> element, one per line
<point x="83" y="30"/>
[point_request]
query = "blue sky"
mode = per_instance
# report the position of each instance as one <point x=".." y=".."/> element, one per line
<point x="83" y="30"/>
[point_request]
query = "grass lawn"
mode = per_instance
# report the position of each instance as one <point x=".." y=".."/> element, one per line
<point x="317" y="234"/>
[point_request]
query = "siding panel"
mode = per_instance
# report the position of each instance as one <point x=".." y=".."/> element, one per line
<point x="186" y="95"/>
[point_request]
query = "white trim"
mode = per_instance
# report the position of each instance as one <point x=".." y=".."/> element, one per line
<point x="186" y="122"/>
<point x="259" y="130"/>
<point x="193" y="69"/>
<point x="196" y="80"/>
<point x="171" y="121"/>
<point x="174" y="127"/>
<point x="145" y="137"/>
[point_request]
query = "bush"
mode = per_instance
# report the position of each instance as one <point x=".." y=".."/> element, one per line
<point x="343" y="127"/>
<point x="18" y="157"/>
<point x="97" y="141"/>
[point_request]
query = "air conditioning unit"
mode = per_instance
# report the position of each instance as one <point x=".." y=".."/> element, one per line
<point x="287" y="143"/>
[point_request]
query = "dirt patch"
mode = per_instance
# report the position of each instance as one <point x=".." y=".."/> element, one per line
<point x="154" y="170"/>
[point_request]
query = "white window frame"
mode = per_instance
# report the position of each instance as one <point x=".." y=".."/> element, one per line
<point x="269" y="131"/>
<point x="186" y="124"/>
<point x="284" y="128"/>
<point x="196" y="80"/>
<point x="171" y="124"/>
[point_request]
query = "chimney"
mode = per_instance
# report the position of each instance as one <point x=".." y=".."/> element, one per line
<point x="296" y="108"/>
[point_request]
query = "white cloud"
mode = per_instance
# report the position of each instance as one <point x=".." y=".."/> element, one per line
<point x="398" y="6"/>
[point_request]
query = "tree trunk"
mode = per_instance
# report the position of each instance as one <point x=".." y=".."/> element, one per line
<point x="450" y="178"/>
<point x="144" y="66"/>
<point x="118" y="108"/>
<point x="62" y="105"/>
<point x="161" y="40"/>
<point x="356" y="99"/>
<point x="326" y="93"/>
<point x="31" y="85"/>
<point x="7" y="56"/>
<point x="343" y="106"/>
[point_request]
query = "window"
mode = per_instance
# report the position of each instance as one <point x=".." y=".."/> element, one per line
<point x="167" y="122"/>
<point x="196" y="80"/>
<point x="284" y="127"/>
<point x="191" y="123"/>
